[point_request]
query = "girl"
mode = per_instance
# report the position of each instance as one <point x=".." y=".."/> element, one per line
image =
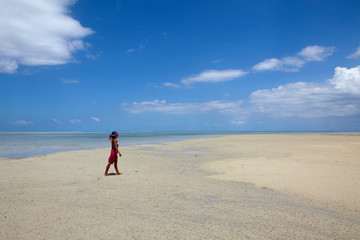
<point x="114" y="152"/>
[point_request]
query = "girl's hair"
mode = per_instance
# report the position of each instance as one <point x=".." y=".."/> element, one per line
<point x="113" y="135"/>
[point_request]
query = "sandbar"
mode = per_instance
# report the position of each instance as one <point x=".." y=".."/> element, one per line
<point x="270" y="186"/>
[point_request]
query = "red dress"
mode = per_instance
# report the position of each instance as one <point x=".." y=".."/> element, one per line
<point x="113" y="155"/>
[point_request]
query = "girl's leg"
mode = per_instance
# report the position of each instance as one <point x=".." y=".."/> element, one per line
<point x="116" y="168"/>
<point x="107" y="169"/>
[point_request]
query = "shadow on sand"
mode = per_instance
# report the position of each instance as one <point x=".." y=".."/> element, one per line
<point x="113" y="174"/>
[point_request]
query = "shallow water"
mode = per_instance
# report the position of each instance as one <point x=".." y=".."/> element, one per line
<point x="27" y="144"/>
<point x="21" y="145"/>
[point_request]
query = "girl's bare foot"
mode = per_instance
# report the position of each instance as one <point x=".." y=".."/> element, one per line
<point x="106" y="174"/>
<point x="119" y="173"/>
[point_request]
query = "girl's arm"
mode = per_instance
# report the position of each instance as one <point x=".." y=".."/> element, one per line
<point x="116" y="147"/>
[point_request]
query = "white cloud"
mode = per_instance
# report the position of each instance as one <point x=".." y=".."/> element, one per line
<point x="316" y="53"/>
<point x="69" y="81"/>
<point x="140" y="48"/>
<point x="38" y="33"/>
<point x="22" y="122"/>
<point x="293" y="63"/>
<point x="226" y="107"/>
<point x="339" y="96"/>
<point x="56" y="121"/>
<point x="208" y="76"/>
<point x="95" y="119"/>
<point x="288" y="64"/>
<point x="268" y="64"/>
<point x="237" y="122"/>
<point x="356" y="54"/>
<point x="8" y="65"/>
<point x="214" y="76"/>
<point x="93" y="56"/>
<point x="75" y="121"/>
<point x="173" y="85"/>
<point x="347" y="80"/>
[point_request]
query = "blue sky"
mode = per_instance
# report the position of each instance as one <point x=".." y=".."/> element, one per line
<point x="179" y="65"/>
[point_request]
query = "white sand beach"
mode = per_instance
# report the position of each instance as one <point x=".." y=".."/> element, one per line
<point x="322" y="167"/>
<point x="302" y="186"/>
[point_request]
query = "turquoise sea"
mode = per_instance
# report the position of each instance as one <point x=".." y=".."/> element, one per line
<point x="27" y="144"/>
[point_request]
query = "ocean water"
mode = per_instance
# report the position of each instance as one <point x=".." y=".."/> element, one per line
<point x="26" y="144"/>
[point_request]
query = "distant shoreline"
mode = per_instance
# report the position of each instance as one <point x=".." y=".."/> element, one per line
<point x="171" y="137"/>
<point x="200" y="132"/>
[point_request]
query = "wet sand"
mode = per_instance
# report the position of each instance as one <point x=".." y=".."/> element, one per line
<point x="234" y="187"/>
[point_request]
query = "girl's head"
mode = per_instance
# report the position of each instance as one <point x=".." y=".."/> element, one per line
<point x="113" y="135"/>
